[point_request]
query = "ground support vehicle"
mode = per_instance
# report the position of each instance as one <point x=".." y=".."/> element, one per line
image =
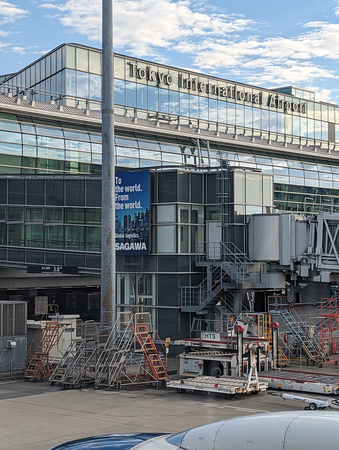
<point x="313" y="403"/>
<point x="223" y="385"/>
<point x="217" y="354"/>
<point x="289" y="380"/>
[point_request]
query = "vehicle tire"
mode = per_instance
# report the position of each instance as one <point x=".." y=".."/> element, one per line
<point x="215" y="369"/>
<point x="181" y="391"/>
<point x="312" y="406"/>
<point x="255" y="392"/>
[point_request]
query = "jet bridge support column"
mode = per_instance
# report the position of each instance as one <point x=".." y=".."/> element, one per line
<point x="239" y="329"/>
<point x="274" y="327"/>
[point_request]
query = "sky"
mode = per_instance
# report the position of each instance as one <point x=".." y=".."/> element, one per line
<point x="266" y="43"/>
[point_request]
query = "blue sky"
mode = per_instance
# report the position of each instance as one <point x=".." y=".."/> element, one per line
<point x="264" y="43"/>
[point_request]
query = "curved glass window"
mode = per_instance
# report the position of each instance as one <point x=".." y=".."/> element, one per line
<point x="96" y="148"/>
<point x="13" y="149"/>
<point x="184" y="104"/>
<point x="296" y="172"/>
<point x="170" y="147"/>
<point x="222" y="111"/>
<point x="48" y="141"/>
<point x="149" y="144"/>
<point x="152" y="155"/>
<point x="131" y="94"/>
<point x="29" y="150"/>
<point x="119" y="92"/>
<point x="163" y="101"/>
<point x="298" y="181"/>
<point x="125" y="151"/>
<point x="153" y="98"/>
<point x="212" y="109"/>
<point x="173" y="102"/>
<point x="194" y="106"/>
<point x="126" y="141"/>
<point x="53" y="153"/>
<point x="141" y="96"/>
<point x="311" y="174"/>
<point x="49" y="131"/>
<point x="324" y="168"/>
<point x="82" y="84"/>
<point x="240" y="116"/>
<point x="204" y="111"/>
<point x="95" y="87"/>
<point x="78" y="145"/>
<point x="8" y="136"/>
<point x="71" y="87"/>
<point x="29" y="139"/>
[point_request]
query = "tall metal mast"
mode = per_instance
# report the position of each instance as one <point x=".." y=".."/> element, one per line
<point x="108" y="260"/>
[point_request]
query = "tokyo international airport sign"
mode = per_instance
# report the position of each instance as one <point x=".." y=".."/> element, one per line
<point x="132" y="213"/>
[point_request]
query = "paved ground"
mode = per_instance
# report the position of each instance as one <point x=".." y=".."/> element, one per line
<point x="37" y="416"/>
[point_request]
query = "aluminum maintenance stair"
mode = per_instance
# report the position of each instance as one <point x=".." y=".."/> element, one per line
<point x="152" y="356"/>
<point x="110" y="365"/>
<point x="38" y="366"/>
<point x="78" y="365"/>
<point x="299" y="328"/>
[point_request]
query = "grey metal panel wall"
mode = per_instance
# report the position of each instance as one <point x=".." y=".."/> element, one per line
<point x="264" y="237"/>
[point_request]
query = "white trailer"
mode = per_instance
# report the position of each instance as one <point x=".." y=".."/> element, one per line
<point x="229" y="386"/>
<point x="313" y="403"/>
<point x="289" y="380"/>
<point x="223" y="385"/>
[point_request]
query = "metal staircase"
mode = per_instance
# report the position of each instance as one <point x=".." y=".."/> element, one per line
<point x="229" y="269"/>
<point x="77" y="364"/>
<point x="38" y="366"/>
<point x="117" y="348"/>
<point x="196" y="298"/>
<point x="305" y="337"/>
<point x="81" y="367"/>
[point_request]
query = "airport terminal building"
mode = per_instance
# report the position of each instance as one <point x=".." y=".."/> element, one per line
<point x="227" y="194"/>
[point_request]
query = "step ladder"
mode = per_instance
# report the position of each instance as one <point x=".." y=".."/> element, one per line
<point x="299" y="329"/>
<point x="152" y="357"/>
<point x="81" y="369"/>
<point x="113" y="356"/>
<point x="65" y="361"/>
<point x="38" y="356"/>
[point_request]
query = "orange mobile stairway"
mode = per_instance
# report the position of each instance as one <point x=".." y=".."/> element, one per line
<point x="152" y="357"/>
<point x="38" y="356"/>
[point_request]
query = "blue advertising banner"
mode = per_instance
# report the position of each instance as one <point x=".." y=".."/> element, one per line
<point x="132" y="218"/>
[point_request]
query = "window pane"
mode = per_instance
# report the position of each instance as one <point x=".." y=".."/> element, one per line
<point x="166" y="239"/>
<point x="54" y="236"/>
<point x="34" y="215"/>
<point x="74" y="238"/>
<point x="34" y="235"/>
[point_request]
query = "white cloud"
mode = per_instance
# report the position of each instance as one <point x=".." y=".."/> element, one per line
<point x="145" y="24"/>
<point x="210" y="39"/>
<point x="19" y="50"/>
<point x="9" y="12"/>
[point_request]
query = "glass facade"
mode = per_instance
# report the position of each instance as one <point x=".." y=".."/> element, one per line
<point x="183" y="127"/>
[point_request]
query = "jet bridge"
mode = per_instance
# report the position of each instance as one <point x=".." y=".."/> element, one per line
<point x="304" y="246"/>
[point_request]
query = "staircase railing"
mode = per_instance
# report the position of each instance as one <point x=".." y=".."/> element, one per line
<point x="194" y="298"/>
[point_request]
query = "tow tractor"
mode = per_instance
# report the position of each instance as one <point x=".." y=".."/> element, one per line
<point x="313" y="403"/>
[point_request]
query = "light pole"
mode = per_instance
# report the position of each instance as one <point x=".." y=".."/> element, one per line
<point x="108" y="260"/>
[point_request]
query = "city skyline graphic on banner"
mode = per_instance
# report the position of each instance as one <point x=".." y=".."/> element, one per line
<point x="132" y="208"/>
